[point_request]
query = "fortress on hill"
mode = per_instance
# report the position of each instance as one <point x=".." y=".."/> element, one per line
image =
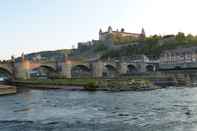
<point x="110" y="33"/>
<point x="111" y="38"/>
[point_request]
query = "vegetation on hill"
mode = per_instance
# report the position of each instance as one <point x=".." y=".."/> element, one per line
<point x="100" y="47"/>
<point x="90" y="51"/>
<point x="153" y="46"/>
<point x="117" y="39"/>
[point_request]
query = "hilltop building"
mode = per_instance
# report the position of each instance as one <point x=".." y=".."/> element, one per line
<point x="111" y="37"/>
<point x="110" y="34"/>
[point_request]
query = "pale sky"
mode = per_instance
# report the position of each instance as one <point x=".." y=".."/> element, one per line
<point x="36" y="25"/>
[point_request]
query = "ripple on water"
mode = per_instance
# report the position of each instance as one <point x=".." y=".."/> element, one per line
<point x="160" y="110"/>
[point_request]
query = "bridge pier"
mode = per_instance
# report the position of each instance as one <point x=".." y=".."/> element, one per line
<point x="98" y="68"/>
<point x="123" y="68"/>
<point x="66" y="69"/>
<point x="22" y="70"/>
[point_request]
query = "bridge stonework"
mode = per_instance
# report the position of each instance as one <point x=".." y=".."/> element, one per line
<point x="98" y="69"/>
<point x="6" y="66"/>
<point x="22" y="70"/>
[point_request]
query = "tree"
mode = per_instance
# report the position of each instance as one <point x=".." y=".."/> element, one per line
<point x="180" y="37"/>
<point x="99" y="47"/>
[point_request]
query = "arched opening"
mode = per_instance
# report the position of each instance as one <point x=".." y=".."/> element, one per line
<point x="43" y="72"/>
<point x="80" y="71"/>
<point x="131" y="69"/>
<point x="5" y="75"/>
<point x="150" y="68"/>
<point x="110" y="71"/>
<point x="177" y="68"/>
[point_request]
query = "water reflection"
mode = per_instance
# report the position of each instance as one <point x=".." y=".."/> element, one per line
<point x="163" y="110"/>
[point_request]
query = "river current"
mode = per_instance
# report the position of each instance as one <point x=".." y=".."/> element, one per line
<point x="172" y="109"/>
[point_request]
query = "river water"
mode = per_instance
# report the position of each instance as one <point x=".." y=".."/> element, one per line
<point x="171" y="109"/>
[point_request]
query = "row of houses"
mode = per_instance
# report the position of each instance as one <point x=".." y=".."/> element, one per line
<point x="179" y="55"/>
<point x="179" y="58"/>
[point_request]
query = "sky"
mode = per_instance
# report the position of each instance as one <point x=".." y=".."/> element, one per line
<point x="36" y="25"/>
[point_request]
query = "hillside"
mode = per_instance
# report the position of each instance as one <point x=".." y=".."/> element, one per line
<point x="47" y="55"/>
<point x="151" y="46"/>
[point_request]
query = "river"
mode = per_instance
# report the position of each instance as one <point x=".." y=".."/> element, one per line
<point x="171" y="109"/>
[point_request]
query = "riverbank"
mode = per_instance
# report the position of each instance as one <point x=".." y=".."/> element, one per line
<point x="6" y="90"/>
<point x="68" y="84"/>
<point x="89" y="84"/>
<point x="126" y="85"/>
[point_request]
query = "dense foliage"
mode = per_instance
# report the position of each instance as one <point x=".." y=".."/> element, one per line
<point x="100" y="47"/>
<point x="117" y="39"/>
<point x="152" y="46"/>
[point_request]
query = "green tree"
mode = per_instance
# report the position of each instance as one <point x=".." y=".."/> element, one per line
<point x="180" y="37"/>
<point x="100" y="47"/>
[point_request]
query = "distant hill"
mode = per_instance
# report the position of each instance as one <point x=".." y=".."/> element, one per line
<point x="47" y="55"/>
<point x="151" y="46"/>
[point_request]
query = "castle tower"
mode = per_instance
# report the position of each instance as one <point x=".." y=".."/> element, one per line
<point x="100" y="31"/>
<point x="143" y="33"/>
<point x="110" y="29"/>
<point x="100" y="34"/>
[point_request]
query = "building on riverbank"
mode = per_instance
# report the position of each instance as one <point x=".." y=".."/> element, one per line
<point x="179" y="58"/>
<point x="179" y="55"/>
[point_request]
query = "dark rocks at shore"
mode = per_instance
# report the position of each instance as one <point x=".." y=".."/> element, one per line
<point x="125" y="85"/>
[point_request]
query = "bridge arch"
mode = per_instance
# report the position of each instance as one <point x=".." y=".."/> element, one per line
<point x="47" y="67"/>
<point x="131" y="69"/>
<point x="150" y="68"/>
<point x="110" y="71"/>
<point x="43" y="71"/>
<point x="5" y="74"/>
<point x="80" y="71"/>
<point x="177" y="67"/>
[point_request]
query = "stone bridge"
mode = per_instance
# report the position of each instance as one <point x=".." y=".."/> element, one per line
<point x="26" y="69"/>
<point x="7" y="68"/>
<point x="127" y="67"/>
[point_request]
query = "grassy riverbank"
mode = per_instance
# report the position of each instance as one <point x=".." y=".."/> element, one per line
<point x="60" y="82"/>
<point x="88" y="84"/>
